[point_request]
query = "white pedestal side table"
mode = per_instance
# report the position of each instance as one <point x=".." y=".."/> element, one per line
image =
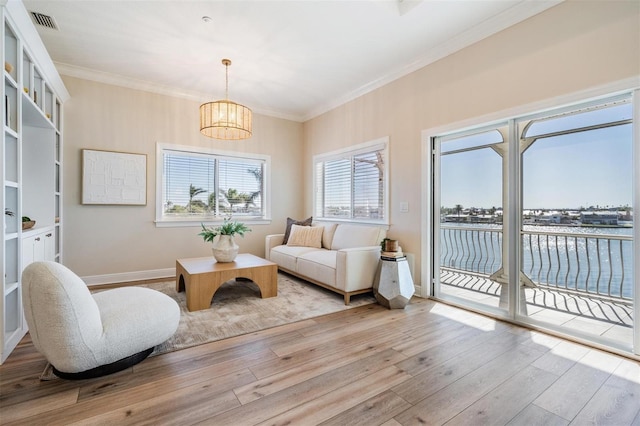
<point x="393" y="286"/>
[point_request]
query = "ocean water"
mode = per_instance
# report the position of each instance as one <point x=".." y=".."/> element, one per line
<point x="591" y="259"/>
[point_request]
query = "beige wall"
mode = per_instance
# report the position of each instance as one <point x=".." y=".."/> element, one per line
<point x="572" y="47"/>
<point x="102" y="240"/>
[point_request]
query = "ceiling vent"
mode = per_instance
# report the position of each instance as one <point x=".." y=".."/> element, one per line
<point x="44" y="20"/>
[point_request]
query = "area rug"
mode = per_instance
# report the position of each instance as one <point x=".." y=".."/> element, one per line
<point x="238" y="309"/>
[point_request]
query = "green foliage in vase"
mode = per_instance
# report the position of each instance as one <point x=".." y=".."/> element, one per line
<point x="228" y="227"/>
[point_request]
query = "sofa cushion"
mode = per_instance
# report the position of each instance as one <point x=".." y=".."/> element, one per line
<point x="327" y="233"/>
<point x="319" y="265"/>
<point x="306" y="236"/>
<point x="291" y="222"/>
<point x="285" y="256"/>
<point x="351" y="236"/>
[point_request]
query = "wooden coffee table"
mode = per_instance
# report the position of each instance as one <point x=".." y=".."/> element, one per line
<point x="201" y="277"/>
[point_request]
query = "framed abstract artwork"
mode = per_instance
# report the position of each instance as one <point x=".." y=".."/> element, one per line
<point x="114" y="178"/>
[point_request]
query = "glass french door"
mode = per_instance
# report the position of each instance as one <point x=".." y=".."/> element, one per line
<point x="576" y="221"/>
<point x="534" y="221"/>
<point x="471" y="192"/>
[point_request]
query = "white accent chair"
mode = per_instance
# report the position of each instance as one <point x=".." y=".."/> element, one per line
<point x="84" y="335"/>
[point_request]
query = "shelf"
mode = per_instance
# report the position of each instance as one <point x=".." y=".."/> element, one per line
<point x="8" y="78"/>
<point x="10" y="287"/>
<point x="32" y="115"/>
<point x="11" y="184"/>
<point x="10" y="236"/>
<point x="36" y="230"/>
<point x="10" y="132"/>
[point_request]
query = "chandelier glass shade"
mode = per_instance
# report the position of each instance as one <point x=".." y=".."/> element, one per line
<point x="225" y="119"/>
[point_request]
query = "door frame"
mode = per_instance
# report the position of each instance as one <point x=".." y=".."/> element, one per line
<point x="431" y="196"/>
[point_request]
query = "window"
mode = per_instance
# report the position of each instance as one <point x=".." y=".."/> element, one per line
<point x="353" y="185"/>
<point x="198" y="185"/>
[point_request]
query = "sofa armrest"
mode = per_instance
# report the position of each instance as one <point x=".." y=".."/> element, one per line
<point x="271" y="241"/>
<point x="356" y="267"/>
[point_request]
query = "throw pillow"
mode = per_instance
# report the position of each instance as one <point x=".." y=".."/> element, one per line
<point x="306" y="236"/>
<point x="291" y="222"/>
<point x="327" y="234"/>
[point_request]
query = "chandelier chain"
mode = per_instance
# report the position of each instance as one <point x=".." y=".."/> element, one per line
<point x="226" y="88"/>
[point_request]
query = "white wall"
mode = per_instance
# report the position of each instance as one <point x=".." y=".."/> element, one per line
<point x="569" y="48"/>
<point x="101" y="240"/>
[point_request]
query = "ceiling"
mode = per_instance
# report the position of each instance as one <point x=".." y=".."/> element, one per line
<point x="293" y="59"/>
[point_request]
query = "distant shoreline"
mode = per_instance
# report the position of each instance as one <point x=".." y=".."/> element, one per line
<point x="628" y="225"/>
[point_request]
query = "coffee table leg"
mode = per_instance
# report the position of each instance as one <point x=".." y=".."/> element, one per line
<point x="200" y="290"/>
<point x="180" y="273"/>
<point x="267" y="281"/>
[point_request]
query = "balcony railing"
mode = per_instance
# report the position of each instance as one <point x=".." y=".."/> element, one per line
<point x="476" y="250"/>
<point x="591" y="264"/>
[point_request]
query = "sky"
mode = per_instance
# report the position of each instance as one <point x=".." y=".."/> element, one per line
<point x="590" y="168"/>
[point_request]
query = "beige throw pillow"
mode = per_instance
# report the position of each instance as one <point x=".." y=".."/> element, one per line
<point x="290" y="222"/>
<point x="306" y="236"/>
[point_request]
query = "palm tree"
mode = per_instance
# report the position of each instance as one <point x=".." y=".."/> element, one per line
<point x="193" y="191"/>
<point x="234" y="197"/>
<point x="257" y="174"/>
<point x="458" y="209"/>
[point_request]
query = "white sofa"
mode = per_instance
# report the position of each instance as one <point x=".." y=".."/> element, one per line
<point x="345" y="263"/>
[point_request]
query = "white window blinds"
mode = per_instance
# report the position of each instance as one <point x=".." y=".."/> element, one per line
<point x="352" y="185"/>
<point x="200" y="185"/>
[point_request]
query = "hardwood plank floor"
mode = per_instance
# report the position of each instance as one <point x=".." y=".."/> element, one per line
<point x="427" y="364"/>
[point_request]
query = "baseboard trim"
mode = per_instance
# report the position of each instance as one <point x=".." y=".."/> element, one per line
<point x="124" y="277"/>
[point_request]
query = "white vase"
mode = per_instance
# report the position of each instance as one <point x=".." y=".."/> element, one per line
<point x="224" y="248"/>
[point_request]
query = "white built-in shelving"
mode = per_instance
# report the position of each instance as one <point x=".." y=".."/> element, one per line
<point x="30" y="163"/>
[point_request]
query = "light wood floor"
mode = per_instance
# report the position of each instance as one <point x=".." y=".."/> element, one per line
<point x="428" y="364"/>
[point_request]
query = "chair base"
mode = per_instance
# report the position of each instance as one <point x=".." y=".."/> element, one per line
<point x="106" y="369"/>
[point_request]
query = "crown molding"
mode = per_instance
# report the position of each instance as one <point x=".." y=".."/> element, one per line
<point x="497" y="23"/>
<point x="519" y="12"/>
<point x="135" y="84"/>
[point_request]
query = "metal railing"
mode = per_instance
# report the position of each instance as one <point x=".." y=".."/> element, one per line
<point x="477" y="250"/>
<point x="592" y="264"/>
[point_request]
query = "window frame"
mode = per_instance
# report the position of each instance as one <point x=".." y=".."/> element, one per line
<point x="162" y="221"/>
<point x="381" y="144"/>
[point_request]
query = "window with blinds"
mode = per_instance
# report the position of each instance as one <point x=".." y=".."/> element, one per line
<point x="201" y="185"/>
<point x="352" y="185"/>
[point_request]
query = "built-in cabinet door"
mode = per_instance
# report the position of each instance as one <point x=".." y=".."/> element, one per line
<point x="49" y="250"/>
<point x="28" y="255"/>
<point x="38" y="247"/>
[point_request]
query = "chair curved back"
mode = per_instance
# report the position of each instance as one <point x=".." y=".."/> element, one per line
<point x="63" y="317"/>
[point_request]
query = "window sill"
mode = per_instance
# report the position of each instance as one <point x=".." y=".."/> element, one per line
<point x="182" y="223"/>
<point x="383" y="224"/>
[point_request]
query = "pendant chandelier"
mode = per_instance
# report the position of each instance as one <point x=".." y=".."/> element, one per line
<point x="225" y="119"/>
